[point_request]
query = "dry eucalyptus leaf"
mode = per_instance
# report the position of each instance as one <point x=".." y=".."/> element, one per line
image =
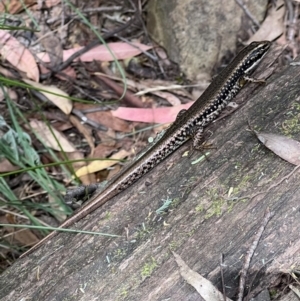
<point x="156" y="115"/>
<point x="98" y="165"/>
<point x="23" y="236"/>
<point x="84" y="130"/>
<point x="51" y="44"/>
<point x="284" y="147"/>
<point x="59" y="212"/>
<point x="8" y="92"/>
<point x="204" y="287"/>
<point x="120" y="50"/>
<point x="59" y="98"/>
<point x="107" y="119"/>
<point x="44" y="134"/>
<point x="273" y="26"/>
<point x="171" y="98"/>
<point x="18" y="55"/>
<point x="6" y="166"/>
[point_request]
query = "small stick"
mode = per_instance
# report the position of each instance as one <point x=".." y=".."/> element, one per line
<point x="250" y="253"/>
<point x="222" y="276"/>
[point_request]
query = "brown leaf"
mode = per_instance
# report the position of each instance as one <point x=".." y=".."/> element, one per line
<point x="107" y="119"/>
<point x="10" y="92"/>
<point x="129" y="97"/>
<point x="23" y="236"/>
<point x="102" y="151"/>
<point x="6" y="166"/>
<point x="69" y="71"/>
<point x="51" y="44"/>
<point x="15" y="6"/>
<point x="171" y="98"/>
<point x="84" y="130"/>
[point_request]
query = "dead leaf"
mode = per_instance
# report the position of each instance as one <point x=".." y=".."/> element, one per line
<point x="8" y="73"/>
<point x="273" y="26"/>
<point x="85" y="131"/>
<point x="101" y="53"/>
<point x="51" y="43"/>
<point x="6" y="166"/>
<point x="4" y="91"/>
<point x="98" y="165"/>
<point x="19" y="56"/>
<point x="15" y="6"/>
<point x="85" y="179"/>
<point x="157" y="115"/>
<point x="149" y="86"/>
<point x="59" y="213"/>
<point x="46" y="3"/>
<point x="171" y="98"/>
<point x="108" y="120"/>
<point x="102" y="150"/>
<point x="69" y="71"/>
<point x="24" y="236"/>
<point x="284" y="147"/>
<point x="61" y="102"/>
<point x="44" y="134"/>
<point x="128" y="98"/>
<point x="203" y="286"/>
<point x="109" y="137"/>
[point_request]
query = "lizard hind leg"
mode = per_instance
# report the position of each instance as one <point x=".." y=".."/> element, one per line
<point x="199" y="142"/>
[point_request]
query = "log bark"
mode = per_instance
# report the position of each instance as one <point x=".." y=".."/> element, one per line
<point x="202" y="222"/>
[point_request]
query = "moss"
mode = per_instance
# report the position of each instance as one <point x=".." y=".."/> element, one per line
<point x="191" y="232"/>
<point x="273" y="293"/>
<point x="148" y="268"/>
<point x="216" y="208"/>
<point x="123" y="293"/>
<point x="119" y="253"/>
<point x="173" y="245"/>
<point x="108" y="215"/>
<point x="292" y="124"/>
<point x="143" y="232"/>
<point x="199" y="208"/>
<point x="175" y="202"/>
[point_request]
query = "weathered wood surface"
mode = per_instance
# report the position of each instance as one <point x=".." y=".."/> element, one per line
<point x="199" y="226"/>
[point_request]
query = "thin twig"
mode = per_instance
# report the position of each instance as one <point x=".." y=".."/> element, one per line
<point x="222" y="276"/>
<point x="250" y="253"/>
<point x="247" y="12"/>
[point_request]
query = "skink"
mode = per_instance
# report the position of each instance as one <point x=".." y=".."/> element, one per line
<point x="188" y="123"/>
